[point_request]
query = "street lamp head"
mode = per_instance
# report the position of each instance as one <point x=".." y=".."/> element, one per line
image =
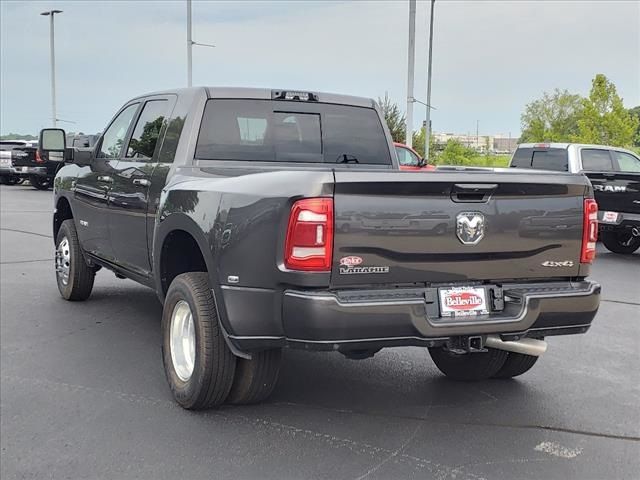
<point x="50" y="12"/>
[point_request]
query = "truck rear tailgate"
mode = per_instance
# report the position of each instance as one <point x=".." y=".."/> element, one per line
<point x="616" y="191"/>
<point x="403" y="228"/>
<point x="24" y="157"/>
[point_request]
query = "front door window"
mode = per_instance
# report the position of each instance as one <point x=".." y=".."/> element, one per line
<point x="114" y="136"/>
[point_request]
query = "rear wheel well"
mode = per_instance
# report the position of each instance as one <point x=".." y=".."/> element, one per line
<point x="63" y="212"/>
<point x="180" y="254"/>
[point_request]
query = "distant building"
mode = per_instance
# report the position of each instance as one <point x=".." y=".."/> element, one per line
<point x="503" y="144"/>
<point x="480" y="143"/>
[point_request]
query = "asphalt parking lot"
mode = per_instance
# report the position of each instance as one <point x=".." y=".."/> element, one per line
<point x="83" y="394"/>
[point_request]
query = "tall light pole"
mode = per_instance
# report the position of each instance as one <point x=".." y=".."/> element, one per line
<point x="411" y="60"/>
<point x="189" y="46"/>
<point x="52" y="48"/>
<point x="427" y="131"/>
<point x="429" y="107"/>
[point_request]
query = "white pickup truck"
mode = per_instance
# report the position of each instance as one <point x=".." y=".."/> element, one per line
<point x="615" y="175"/>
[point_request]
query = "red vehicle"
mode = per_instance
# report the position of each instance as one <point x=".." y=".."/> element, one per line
<point x="409" y="159"/>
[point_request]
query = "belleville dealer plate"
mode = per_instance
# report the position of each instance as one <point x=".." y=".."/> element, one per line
<point x="463" y="301"/>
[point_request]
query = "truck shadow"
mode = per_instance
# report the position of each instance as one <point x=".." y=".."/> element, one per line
<point x="402" y="382"/>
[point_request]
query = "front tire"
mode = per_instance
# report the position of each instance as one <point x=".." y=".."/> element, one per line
<point x="73" y="275"/>
<point x="255" y="379"/>
<point x="40" y="183"/>
<point x="198" y="363"/>
<point x="620" y="241"/>
<point x="516" y="364"/>
<point x="468" y="367"/>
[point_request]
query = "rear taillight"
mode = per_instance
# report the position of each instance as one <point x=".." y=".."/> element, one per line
<point x="590" y="231"/>
<point x="309" y="242"/>
<point x="38" y="157"/>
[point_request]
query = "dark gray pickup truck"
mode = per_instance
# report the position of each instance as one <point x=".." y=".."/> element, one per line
<point x="268" y="218"/>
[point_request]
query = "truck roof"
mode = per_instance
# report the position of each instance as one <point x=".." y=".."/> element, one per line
<point x="567" y="145"/>
<point x="266" y="94"/>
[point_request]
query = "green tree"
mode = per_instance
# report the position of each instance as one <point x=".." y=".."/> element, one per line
<point x="418" y="143"/>
<point x="552" y="118"/>
<point x="394" y="117"/>
<point x="604" y="120"/>
<point x="455" y="153"/>
<point x="18" y="136"/>
<point x="635" y="112"/>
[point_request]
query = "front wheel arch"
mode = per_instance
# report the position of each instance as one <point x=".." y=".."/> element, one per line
<point x="62" y="212"/>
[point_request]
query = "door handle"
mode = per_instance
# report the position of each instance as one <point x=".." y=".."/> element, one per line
<point x="472" y="192"/>
<point x="141" y="181"/>
<point x="105" y="179"/>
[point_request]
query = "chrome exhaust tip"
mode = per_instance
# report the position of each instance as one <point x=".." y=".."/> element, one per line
<point x="635" y="231"/>
<point x="526" y="346"/>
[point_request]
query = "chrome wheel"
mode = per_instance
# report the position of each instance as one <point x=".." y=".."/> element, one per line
<point x="63" y="260"/>
<point x="182" y="342"/>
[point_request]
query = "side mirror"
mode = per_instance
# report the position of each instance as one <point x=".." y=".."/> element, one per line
<point x="53" y="144"/>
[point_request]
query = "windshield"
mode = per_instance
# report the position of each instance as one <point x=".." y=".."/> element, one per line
<point x="285" y="131"/>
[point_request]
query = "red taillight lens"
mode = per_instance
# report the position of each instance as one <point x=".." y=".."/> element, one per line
<point x="309" y="243"/>
<point x="590" y="231"/>
<point x="38" y="157"/>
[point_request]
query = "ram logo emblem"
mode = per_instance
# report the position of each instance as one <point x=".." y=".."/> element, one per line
<point x="470" y="227"/>
<point x="610" y="188"/>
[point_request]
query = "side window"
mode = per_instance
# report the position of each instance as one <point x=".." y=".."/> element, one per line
<point x="627" y="162"/>
<point x="114" y="135"/>
<point x="145" y="135"/>
<point x="596" y="160"/>
<point x="406" y="157"/>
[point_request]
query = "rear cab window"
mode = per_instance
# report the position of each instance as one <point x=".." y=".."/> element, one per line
<point x="10" y="145"/>
<point x="289" y="131"/>
<point x="541" y="158"/>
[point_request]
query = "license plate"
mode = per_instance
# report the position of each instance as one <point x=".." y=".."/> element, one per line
<point x="25" y="169"/>
<point x="463" y="301"/>
<point x="609" y="217"/>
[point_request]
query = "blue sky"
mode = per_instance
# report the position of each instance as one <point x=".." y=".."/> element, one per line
<point x="490" y="57"/>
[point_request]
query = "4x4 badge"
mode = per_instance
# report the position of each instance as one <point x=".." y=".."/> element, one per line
<point x="470" y="227"/>
<point x="559" y="263"/>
